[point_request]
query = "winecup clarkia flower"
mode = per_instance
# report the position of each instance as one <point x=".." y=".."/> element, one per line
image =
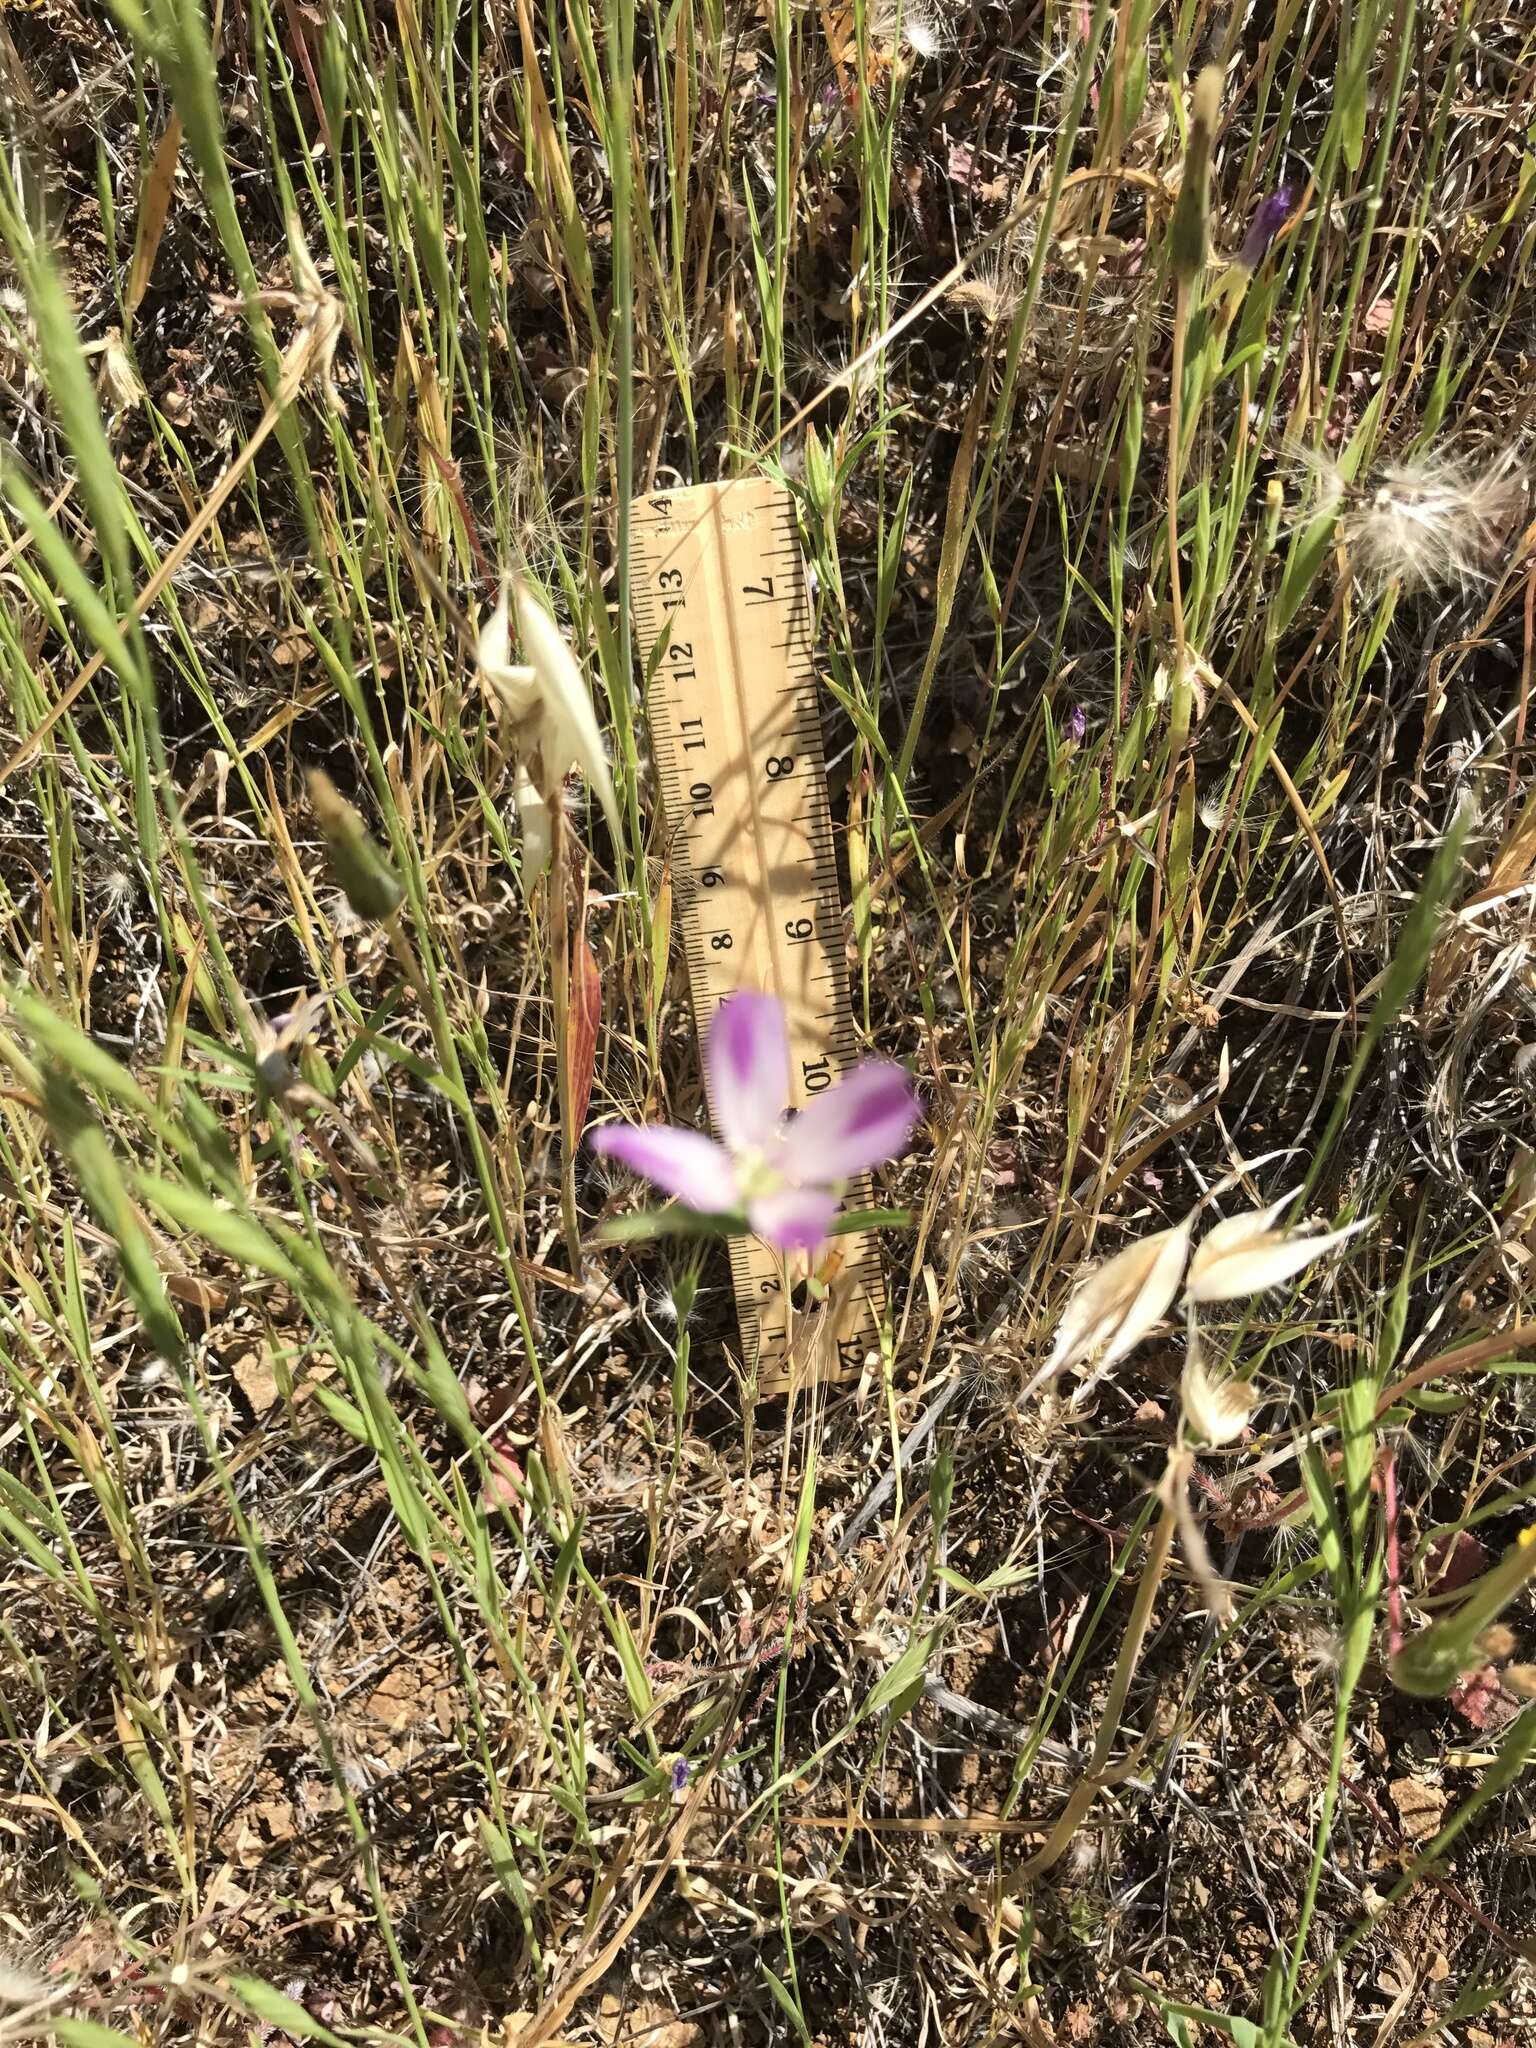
<point x="780" y="1173"/>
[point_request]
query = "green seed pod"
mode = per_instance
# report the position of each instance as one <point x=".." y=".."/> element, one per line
<point x="1189" y="234"/>
<point x="362" y="870"/>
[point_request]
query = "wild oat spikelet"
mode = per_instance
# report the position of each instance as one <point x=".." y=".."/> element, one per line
<point x="1247" y="1254"/>
<point x="1216" y="1407"/>
<point x="320" y="322"/>
<point x="1122" y="1300"/>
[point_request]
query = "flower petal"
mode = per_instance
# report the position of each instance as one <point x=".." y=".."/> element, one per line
<point x="866" y="1118"/>
<point x="746" y="1062"/>
<point x="686" y="1163"/>
<point x="1267" y="223"/>
<point x="569" y="725"/>
<point x="793" y="1220"/>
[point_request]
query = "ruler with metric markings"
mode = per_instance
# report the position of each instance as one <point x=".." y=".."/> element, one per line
<point x="717" y="584"/>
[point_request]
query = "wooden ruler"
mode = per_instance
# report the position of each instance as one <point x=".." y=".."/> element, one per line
<point x="718" y="584"/>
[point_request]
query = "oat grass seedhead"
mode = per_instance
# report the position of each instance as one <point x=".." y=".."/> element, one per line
<point x="1214" y="1590"/>
<point x="535" y="824"/>
<point x="1122" y="1301"/>
<point x="547" y="701"/>
<point x="1248" y="1255"/>
<point x="1216" y="1408"/>
<point x="319" y="323"/>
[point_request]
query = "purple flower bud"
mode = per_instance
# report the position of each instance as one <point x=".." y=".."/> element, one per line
<point x="1077" y="722"/>
<point x="1267" y="223"/>
<point x="682" y="1771"/>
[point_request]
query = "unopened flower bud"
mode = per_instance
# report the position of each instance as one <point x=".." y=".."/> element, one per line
<point x="362" y="869"/>
<point x="1189" y="232"/>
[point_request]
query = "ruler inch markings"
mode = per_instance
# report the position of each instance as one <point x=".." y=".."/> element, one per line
<point x="718" y="586"/>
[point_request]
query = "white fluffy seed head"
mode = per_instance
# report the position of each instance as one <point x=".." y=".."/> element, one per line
<point x="1435" y="520"/>
<point x="921" y="30"/>
<point x="21" y="1986"/>
<point x="917" y="23"/>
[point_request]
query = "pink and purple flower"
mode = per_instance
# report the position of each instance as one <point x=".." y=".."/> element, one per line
<point x="781" y="1173"/>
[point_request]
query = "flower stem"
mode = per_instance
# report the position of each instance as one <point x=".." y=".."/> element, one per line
<point x="1096" y="1778"/>
<point x="558" y="913"/>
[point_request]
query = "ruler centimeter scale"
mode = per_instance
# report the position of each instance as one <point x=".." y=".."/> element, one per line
<point x="718" y="584"/>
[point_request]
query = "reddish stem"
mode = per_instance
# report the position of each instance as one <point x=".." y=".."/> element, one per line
<point x="1394" y="1561"/>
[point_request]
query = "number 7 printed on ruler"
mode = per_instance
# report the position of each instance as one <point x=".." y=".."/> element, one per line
<point x="717" y="583"/>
